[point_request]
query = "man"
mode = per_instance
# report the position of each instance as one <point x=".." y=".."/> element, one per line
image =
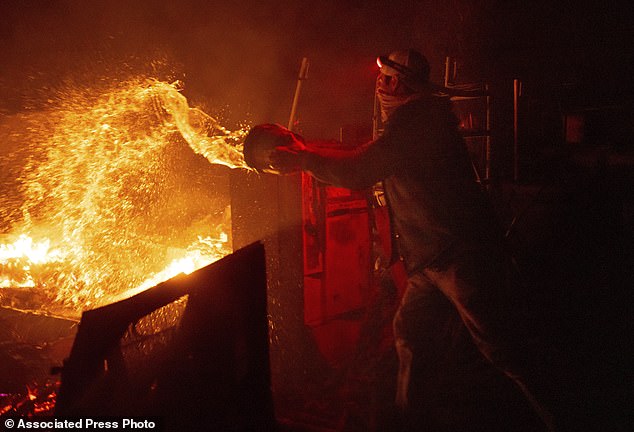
<point x="445" y="231"/>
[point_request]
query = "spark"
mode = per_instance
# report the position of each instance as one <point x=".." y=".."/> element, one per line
<point x="96" y="188"/>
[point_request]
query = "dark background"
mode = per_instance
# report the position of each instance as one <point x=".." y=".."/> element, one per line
<point x="239" y="59"/>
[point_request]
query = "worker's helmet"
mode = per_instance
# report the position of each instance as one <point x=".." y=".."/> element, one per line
<point x="410" y="65"/>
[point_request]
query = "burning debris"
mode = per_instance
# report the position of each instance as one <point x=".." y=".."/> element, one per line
<point x="37" y="401"/>
<point x="103" y="190"/>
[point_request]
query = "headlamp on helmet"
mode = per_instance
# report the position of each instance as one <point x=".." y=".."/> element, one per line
<point x="411" y="65"/>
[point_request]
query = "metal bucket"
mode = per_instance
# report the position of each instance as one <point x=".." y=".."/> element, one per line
<point x="260" y="143"/>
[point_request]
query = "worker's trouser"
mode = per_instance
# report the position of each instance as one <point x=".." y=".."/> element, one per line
<point x="477" y="284"/>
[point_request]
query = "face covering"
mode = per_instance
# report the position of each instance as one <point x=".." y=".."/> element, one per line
<point x="389" y="102"/>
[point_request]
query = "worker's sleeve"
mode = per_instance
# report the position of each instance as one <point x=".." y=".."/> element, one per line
<point x="357" y="168"/>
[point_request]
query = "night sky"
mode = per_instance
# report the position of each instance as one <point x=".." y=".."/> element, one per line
<point x="239" y="59"/>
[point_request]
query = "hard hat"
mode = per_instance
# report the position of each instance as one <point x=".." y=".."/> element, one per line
<point x="410" y="64"/>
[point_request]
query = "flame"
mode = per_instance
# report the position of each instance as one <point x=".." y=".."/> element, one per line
<point x="21" y="255"/>
<point x="103" y="201"/>
<point x="193" y="260"/>
<point x="37" y="253"/>
<point x="31" y="393"/>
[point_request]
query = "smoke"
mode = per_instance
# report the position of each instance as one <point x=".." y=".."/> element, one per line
<point x="239" y="59"/>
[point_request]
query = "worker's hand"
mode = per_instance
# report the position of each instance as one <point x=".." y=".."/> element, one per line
<point x="287" y="158"/>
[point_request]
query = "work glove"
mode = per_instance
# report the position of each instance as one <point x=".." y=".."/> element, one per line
<point x="287" y="158"/>
<point x="275" y="149"/>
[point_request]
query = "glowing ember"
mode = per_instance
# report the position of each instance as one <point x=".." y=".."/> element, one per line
<point x="104" y="195"/>
<point x="31" y="393"/>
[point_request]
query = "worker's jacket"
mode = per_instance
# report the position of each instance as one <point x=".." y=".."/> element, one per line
<point x="435" y="202"/>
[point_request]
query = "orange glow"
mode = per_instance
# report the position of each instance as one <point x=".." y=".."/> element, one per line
<point x="31" y="393"/>
<point x="96" y="206"/>
<point x="21" y="255"/>
<point x="193" y="260"/>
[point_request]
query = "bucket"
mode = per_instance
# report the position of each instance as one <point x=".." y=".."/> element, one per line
<point x="260" y="143"/>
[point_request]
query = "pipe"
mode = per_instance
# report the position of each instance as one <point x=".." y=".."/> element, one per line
<point x="517" y="92"/>
<point x="303" y="74"/>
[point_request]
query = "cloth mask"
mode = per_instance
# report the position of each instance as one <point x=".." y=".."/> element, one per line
<point x="389" y="102"/>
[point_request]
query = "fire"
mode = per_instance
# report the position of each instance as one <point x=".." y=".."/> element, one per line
<point x="21" y="255"/>
<point x="193" y="260"/>
<point x="103" y="197"/>
<point x="25" y="248"/>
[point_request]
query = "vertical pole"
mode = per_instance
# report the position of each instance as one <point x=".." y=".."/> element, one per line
<point x="447" y="70"/>
<point x="487" y="169"/>
<point x="303" y="74"/>
<point x="517" y="92"/>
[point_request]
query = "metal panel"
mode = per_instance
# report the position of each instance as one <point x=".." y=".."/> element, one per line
<point x="208" y="370"/>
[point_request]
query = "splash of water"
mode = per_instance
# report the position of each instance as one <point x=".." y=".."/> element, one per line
<point x="104" y="195"/>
